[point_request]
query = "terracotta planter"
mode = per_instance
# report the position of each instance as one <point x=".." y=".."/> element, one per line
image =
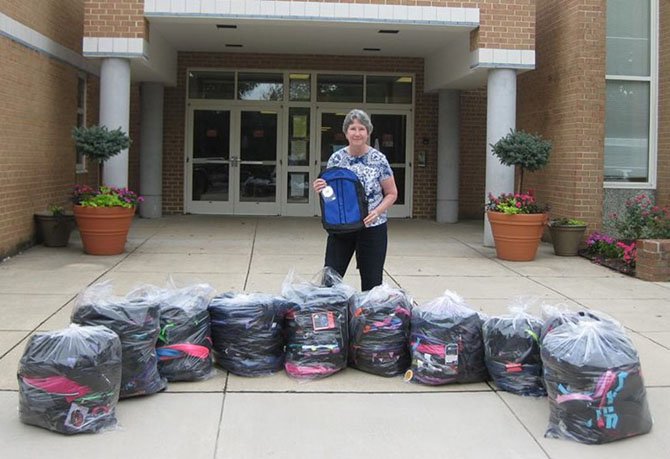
<point x="566" y="239"/>
<point x="104" y="229"/>
<point x="54" y="230"/>
<point x="517" y="237"/>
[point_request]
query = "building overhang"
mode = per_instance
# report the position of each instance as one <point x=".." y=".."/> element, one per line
<point x="439" y="35"/>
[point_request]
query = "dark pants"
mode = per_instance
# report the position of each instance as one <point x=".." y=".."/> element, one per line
<point x="370" y="247"/>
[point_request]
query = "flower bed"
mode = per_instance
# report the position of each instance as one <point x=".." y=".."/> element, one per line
<point x="610" y="252"/>
<point x="616" y="264"/>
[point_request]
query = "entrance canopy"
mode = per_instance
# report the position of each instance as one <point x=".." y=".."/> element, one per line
<point x="440" y="35"/>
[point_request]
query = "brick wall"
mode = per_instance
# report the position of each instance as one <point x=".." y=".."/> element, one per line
<point x="425" y="114"/>
<point x="508" y="24"/>
<point x="663" y="178"/>
<point x="564" y="101"/>
<point x="472" y="162"/>
<point x="48" y="18"/>
<point x="653" y="260"/>
<point x="115" y="18"/>
<point x="504" y="24"/>
<point x="37" y="159"/>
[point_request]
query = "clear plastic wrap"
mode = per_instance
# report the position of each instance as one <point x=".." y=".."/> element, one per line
<point x="136" y="321"/>
<point x="247" y="332"/>
<point x="379" y="324"/>
<point x="317" y="325"/>
<point x="69" y="380"/>
<point x="555" y="316"/>
<point x="512" y="352"/>
<point x="184" y="344"/>
<point x="446" y="343"/>
<point x="594" y="382"/>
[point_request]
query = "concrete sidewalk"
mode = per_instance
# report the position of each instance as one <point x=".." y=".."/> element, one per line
<point x="350" y="414"/>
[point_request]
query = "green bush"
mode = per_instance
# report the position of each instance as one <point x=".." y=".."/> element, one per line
<point x="528" y="151"/>
<point x="99" y="143"/>
<point x="642" y="219"/>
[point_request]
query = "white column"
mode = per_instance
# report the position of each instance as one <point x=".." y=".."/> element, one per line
<point x="448" y="156"/>
<point x="500" y="119"/>
<point x="151" y="150"/>
<point x="114" y="114"/>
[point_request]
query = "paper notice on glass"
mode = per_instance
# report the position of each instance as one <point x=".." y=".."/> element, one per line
<point x="298" y="150"/>
<point x="300" y="126"/>
<point x="297" y="185"/>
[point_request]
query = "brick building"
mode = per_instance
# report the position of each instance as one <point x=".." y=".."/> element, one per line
<point x="234" y="106"/>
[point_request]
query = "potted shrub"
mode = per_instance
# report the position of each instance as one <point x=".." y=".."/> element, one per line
<point x="517" y="220"/>
<point x="103" y="215"/>
<point x="566" y="235"/>
<point x="54" y="226"/>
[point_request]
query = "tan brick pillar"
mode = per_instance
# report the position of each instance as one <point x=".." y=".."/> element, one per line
<point x="653" y="260"/>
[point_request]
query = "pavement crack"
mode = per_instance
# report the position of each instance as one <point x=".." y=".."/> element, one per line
<point x="251" y="255"/>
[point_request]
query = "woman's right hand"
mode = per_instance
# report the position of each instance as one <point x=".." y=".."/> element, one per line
<point x="318" y="185"/>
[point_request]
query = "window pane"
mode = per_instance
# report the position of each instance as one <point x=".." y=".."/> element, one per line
<point x="260" y="86"/>
<point x="388" y="136"/>
<point x="298" y="133"/>
<point x="340" y="88"/>
<point x="389" y="89"/>
<point x="628" y="32"/>
<point x="258" y="136"/>
<point x="300" y="87"/>
<point x="298" y="187"/>
<point x="627" y="131"/>
<point x="332" y="137"/>
<point x="211" y="134"/>
<point x="211" y="85"/>
<point x="399" y="176"/>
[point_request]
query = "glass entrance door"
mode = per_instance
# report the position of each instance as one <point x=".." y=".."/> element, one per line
<point x="208" y="161"/>
<point x="232" y="162"/>
<point x="389" y="136"/>
<point x="256" y="163"/>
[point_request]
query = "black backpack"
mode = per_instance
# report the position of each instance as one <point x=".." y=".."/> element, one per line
<point x="345" y="213"/>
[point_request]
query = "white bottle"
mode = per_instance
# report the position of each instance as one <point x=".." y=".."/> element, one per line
<point x="328" y="194"/>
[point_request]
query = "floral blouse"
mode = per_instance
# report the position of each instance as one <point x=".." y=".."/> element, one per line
<point x="371" y="168"/>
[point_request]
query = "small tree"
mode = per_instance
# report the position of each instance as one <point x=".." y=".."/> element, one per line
<point x="99" y="143"/>
<point x="528" y="151"/>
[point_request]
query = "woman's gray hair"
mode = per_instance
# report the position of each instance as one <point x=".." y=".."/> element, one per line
<point x="360" y="116"/>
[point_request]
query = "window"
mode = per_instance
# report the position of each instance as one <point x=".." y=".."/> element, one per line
<point x="260" y="86"/>
<point x="389" y="89"/>
<point x="630" y="108"/>
<point x="80" y="162"/>
<point x="211" y="85"/>
<point x="340" y="88"/>
<point x="300" y="87"/>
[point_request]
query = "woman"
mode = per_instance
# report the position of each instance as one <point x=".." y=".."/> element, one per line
<point x="374" y="172"/>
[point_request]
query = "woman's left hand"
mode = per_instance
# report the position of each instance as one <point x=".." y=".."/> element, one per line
<point x="372" y="217"/>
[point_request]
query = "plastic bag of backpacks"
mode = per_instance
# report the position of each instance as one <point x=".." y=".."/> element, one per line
<point x="247" y="332"/>
<point x="136" y="321"/>
<point x="446" y="343"/>
<point x="69" y="380"/>
<point x="184" y="344"/>
<point x="594" y="382"/>
<point x="379" y="322"/>
<point x="316" y="325"/>
<point x="512" y="352"/>
<point x="555" y="316"/>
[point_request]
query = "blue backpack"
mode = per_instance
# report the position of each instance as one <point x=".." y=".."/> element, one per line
<point x="346" y="212"/>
